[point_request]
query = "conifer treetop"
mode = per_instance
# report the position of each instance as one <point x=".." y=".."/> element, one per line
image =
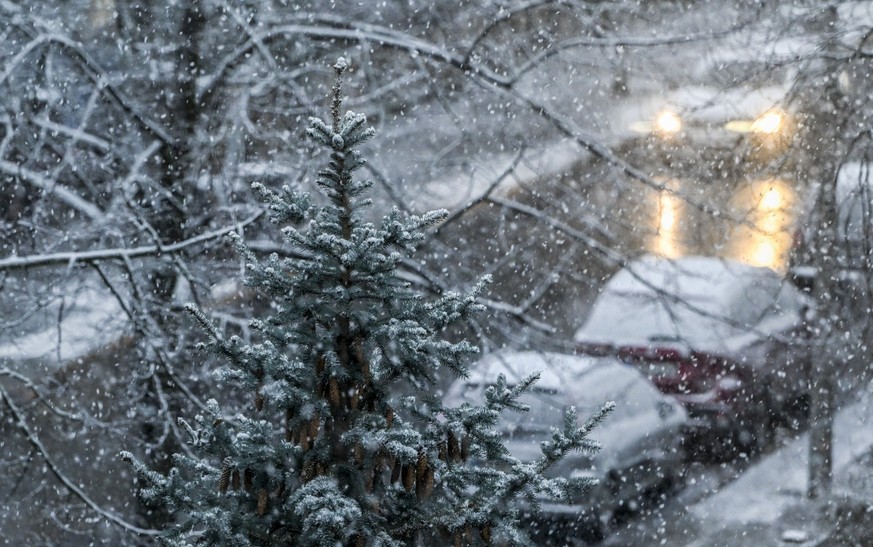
<point x="324" y="450"/>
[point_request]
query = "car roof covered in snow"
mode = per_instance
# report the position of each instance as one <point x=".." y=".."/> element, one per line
<point x="699" y="303"/>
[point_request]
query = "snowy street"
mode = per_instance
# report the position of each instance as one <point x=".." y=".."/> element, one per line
<point x="748" y="505"/>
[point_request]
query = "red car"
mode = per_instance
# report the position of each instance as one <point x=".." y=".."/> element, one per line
<point x="724" y="338"/>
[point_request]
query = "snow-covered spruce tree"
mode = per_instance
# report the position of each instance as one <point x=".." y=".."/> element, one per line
<point x="326" y="454"/>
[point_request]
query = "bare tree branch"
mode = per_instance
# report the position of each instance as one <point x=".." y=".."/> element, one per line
<point x="72" y="257"/>
<point x="482" y="198"/>
<point x="52" y="187"/>
<point x="59" y="474"/>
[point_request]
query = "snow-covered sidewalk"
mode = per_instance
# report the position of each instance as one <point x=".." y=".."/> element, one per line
<point x="764" y="496"/>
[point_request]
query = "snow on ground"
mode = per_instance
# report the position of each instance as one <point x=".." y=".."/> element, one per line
<point x="762" y="503"/>
<point x="89" y="319"/>
<point x="768" y="491"/>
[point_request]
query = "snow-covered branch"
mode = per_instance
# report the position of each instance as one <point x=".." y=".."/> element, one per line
<point x="607" y="253"/>
<point x="73" y="257"/>
<point x="76" y="134"/>
<point x="52" y="187"/>
<point x="351" y="31"/>
<point x="484" y="196"/>
<point x="91" y="69"/>
<point x="519" y="313"/>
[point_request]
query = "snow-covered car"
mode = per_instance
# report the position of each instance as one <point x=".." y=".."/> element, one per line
<point x="723" y="338"/>
<point x="642" y="443"/>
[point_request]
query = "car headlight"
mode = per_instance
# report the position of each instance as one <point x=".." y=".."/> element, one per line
<point x="768" y="123"/>
<point x="668" y="123"/>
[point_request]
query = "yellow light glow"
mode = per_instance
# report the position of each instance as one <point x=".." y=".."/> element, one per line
<point x="739" y="126"/>
<point x="765" y="255"/>
<point x="643" y="128"/>
<point x="668" y="123"/>
<point x="768" y="123"/>
<point x="770" y="224"/>
<point x="668" y="213"/>
<point x="772" y="199"/>
<point x="667" y="233"/>
<point x="769" y="206"/>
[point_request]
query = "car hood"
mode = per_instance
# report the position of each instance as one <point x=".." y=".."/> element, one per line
<point x="620" y="442"/>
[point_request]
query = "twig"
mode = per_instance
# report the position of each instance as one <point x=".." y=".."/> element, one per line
<point x="57" y="472"/>
<point x="72" y="257"/>
<point x="484" y="196"/>
<point x="52" y="187"/>
<point x="518" y="313"/>
<point x="82" y="417"/>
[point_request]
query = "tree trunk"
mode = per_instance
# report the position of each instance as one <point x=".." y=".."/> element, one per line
<point x="821" y="435"/>
<point x="169" y="215"/>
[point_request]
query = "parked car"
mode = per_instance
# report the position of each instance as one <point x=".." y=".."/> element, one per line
<point x="721" y="337"/>
<point x="642" y="441"/>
